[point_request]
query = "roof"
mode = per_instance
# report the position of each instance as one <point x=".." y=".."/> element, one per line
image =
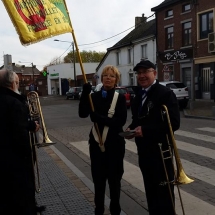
<point x="24" y="71"/>
<point x="144" y="29"/>
<point x="165" y="4"/>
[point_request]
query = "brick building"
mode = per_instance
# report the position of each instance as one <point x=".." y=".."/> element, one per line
<point x="183" y="27"/>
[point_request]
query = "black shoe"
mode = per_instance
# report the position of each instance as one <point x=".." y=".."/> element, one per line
<point x="40" y="208"/>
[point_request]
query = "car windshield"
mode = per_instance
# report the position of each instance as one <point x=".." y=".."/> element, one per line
<point x="78" y="89"/>
<point x="176" y="85"/>
<point x="130" y="90"/>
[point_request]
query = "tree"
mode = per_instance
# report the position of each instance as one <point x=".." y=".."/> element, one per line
<point x="86" y="57"/>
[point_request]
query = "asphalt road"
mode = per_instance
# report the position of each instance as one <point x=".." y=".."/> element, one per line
<point x="196" y="147"/>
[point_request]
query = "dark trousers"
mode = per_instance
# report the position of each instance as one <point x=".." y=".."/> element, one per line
<point x="158" y="196"/>
<point x="107" y="166"/>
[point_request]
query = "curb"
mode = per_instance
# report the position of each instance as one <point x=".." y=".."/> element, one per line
<point x="197" y="117"/>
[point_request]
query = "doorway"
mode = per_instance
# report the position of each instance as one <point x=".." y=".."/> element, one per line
<point x="186" y="78"/>
<point x="205" y="83"/>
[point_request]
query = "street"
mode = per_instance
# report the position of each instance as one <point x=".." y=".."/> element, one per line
<point x="195" y="142"/>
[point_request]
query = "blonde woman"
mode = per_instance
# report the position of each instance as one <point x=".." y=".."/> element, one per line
<point x="107" y="165"/>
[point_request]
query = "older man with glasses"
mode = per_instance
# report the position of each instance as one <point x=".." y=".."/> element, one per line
<point x="16" y="164"/>
<point x="150" y="130"/>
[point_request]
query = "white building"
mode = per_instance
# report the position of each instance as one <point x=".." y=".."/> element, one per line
<point x="60" y="74"/>
<point x="139" y="44"/>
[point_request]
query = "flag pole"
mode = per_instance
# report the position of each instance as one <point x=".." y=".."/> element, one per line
<point x="101" y="144"/>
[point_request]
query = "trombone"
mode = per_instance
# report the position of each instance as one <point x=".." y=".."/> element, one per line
<point x="179" y="175"/>
<point x="36" y="115"/>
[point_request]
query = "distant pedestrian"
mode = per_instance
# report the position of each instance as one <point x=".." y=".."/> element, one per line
<point x="151" y="130"/>
<point x="17" y="178"/>
<point x="110" y="118"/>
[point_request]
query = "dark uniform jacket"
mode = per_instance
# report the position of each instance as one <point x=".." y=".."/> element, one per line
<point x="15" y="158"/>
<point x="149" y="117"/>
<point x="101" y="106"/>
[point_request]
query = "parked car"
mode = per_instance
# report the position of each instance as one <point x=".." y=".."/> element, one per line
<point x="73" y="93"/>
<point x="126" y="93"/>
<point x="122" y="90"/>
<point x="130" y="89"/>
<point x="180" y="90"/>
<point x="92" y="91"/>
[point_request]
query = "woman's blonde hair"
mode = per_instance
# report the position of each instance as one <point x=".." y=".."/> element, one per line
<point x="115" y="72"/>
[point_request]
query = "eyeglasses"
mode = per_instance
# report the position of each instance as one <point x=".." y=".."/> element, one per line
<point x="108" y="76"/>
<point x="144" y="72"/>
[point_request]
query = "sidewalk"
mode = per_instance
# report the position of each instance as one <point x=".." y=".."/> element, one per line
<point x="201" y="109"/>
<point x="62" y="192"/>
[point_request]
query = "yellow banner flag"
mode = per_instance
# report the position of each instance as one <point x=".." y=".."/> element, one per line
<point x="36" y="20"/>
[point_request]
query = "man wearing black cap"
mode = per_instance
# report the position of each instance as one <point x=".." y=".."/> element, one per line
<point x="150" y="131"/>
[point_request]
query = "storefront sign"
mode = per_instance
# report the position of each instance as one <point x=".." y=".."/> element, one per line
<point x="54" y="74"/>
<point x="176" y="55"/>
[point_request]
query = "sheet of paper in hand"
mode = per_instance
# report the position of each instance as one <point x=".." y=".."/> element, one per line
<point x="127" y="133"/>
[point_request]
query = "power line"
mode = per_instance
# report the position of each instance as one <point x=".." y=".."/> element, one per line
<point x="106" y="38"/>
<point x="118" y="33"/>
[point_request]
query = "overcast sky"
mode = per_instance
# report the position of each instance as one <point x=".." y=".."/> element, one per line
<point x="92" y="20"/>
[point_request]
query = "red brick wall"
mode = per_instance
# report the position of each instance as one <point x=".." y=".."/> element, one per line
<point x="200" y="48"/>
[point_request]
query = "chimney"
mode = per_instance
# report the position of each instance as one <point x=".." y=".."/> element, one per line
<point x="140" y="20"/>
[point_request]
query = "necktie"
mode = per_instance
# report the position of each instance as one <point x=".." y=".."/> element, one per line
<point x="143" y="96"/>
<point x="143" y="93"/>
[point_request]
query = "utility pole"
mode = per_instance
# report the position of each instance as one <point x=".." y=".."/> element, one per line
<point x="74" y="64"/>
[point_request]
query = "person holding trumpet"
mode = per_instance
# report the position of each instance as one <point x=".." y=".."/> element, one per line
<point x="149" y="130"/>
<point x="17" y="176"/>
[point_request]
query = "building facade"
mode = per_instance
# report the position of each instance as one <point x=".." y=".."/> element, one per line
<point x="138" y="44"/>
<point x="182" y="44"/>
<point x="63" y="76"/>
<point x="28" y="75"/>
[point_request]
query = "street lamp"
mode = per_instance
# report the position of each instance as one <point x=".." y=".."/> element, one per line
<point x="33" y="66"/>
<point x="73" y="51"/>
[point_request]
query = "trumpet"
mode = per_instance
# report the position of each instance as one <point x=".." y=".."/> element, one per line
<point x="36" y="114"/>
<point x="179" y="175"/>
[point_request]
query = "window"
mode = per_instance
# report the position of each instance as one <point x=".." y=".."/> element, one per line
<point x="144" y="52"/>
<point x="169" y="13"/>
<point x="131" y="78"/>
<point x="168" y="73"/>
<point x="118" y="58"/>
<point x="206" y="24"/>
<point x="186" y="33"/>
<point x="129" y="55"/>
<point x="186" y="7"/>
<point x="169" y="38"/>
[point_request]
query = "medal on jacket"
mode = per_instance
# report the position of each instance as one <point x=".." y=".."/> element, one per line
<point x="150" y="105"/>
<point x="104" y="94"/>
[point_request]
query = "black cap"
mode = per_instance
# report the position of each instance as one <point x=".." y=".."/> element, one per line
<point x="144" y="64"/>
